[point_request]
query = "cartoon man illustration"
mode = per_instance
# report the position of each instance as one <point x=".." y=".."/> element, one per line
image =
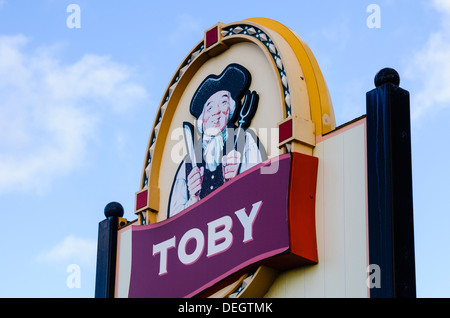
<point x="226" y="150"/>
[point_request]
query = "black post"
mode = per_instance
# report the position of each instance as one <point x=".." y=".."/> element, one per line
<point x="107" y="251"/>
<point x="390" y="202"/>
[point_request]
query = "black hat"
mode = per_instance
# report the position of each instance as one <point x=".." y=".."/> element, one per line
<point x="235" y="78"/>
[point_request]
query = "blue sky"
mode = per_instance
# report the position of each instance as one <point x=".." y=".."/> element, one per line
<point x="77" y="106"/>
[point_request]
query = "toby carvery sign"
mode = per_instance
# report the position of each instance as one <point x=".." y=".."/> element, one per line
<point x="229" y="180"/>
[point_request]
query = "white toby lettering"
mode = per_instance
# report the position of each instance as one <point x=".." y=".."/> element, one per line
<point x="197" y="235"/>
<point x="162" y="249"/>
<point x="248" y="220"/>
<point x="220" y="238"/>
<point x="214" y="235"/>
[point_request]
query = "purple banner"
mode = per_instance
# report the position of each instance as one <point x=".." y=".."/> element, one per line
<point x="243" y="222"/>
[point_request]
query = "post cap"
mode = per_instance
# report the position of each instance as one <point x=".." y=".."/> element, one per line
<point x="113" y="209"/>
<point x="387" y="75"/>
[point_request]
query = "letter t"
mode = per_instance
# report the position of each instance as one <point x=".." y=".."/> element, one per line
<point x="162" y="249"/>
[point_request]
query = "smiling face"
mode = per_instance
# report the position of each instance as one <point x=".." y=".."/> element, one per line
<point x="216" y="113"/>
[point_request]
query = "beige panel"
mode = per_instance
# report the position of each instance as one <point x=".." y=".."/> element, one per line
<point x="295" y="283"/>
<point x="355" y="219"/>
<point x="123" y="269"/>
<point x="333" y="217"/>
<point x="341" y="222"/>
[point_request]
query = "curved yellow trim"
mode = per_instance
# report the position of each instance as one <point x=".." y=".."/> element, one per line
<point x="322" y="113"/>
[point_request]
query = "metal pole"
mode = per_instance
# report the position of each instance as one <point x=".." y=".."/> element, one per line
<point x="107" y="251"/>
<point x="390" y="200"/>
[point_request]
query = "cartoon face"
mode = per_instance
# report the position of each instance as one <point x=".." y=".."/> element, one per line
<point x="216" y="113"/>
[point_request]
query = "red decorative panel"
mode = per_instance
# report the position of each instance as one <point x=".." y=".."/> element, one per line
<point x="211" y="37"/>
<point x="141" y="199"/>
<point x="285" y="131"/>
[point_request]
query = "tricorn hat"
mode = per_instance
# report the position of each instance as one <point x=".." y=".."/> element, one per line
<point x="235" y="78"/>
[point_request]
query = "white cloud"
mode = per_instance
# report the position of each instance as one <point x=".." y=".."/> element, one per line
<point x="50" y="110"/>
<point x="430" y="66"/>
<point x="72" y="250"/>
<point x="442" y="5"/>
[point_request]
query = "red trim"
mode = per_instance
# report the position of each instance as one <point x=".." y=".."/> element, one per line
<point x="285" y="130"/>
<point x="302" y="205"/>
<point x="211" y="37"/>
<point x="141" y="199"/>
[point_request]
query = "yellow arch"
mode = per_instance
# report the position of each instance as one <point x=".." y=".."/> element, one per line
<point x="320" y="108"/>
<point x="322" y="113"/>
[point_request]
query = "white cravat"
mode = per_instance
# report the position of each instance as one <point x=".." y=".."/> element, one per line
<point x="213" y="149"/>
